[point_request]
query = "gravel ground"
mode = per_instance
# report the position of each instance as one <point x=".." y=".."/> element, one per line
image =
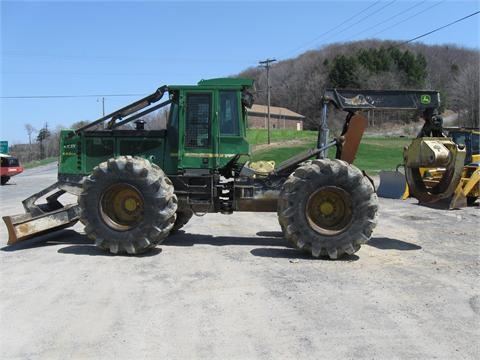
<point x="230" y="287"/>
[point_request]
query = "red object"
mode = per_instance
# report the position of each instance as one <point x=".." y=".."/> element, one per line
<point x="9" y="167"/>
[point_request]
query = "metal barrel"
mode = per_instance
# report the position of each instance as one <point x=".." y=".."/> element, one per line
<point x="393" y="185"/>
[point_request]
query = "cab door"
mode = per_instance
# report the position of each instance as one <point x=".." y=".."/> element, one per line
<point x="196" y="136"/>
<point x="231" y="127"/>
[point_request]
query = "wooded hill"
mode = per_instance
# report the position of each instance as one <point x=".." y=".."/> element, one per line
<point x="298" y="83"/>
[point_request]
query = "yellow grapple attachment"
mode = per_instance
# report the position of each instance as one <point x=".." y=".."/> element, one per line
<point x="443" y="161"/>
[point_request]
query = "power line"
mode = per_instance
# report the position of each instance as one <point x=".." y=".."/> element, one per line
<point x="67" y="96"/>
<point x="391" y="17"/>
<point x="362" y="19"/>
<point x="408" y="18"/>
<point x="334" y="28"/>
<point x="162" y="59"/>
<point x="440" y="28"/>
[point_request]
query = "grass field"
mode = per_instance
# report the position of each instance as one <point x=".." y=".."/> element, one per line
<point x="259" y="136"/>
<point x="380" y="153"/>
<point x="375" y="153"/>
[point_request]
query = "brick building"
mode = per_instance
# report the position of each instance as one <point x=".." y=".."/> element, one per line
<point x="280" y="118"/>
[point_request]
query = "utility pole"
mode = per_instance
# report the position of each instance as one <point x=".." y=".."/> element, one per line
<point x="103" y="105"/>
<point x="266" y="64"/>
<point x="103" y="110"/>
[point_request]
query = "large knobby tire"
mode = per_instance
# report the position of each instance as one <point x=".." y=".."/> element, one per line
<point x="327" y="208"/>
<point x="127" y="205"/>
<point x="183" y="217"/>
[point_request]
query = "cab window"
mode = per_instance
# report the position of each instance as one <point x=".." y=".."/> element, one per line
<point x="228" y="116"/>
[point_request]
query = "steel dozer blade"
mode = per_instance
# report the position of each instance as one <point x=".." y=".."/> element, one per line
<point x="41" y="219"/>
<point x="443" y="161"/>
<point x="393" y="185"/>
<point x="25" y="226"/>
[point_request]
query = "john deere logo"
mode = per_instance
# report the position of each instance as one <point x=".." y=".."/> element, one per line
<point x="425" y="99"/>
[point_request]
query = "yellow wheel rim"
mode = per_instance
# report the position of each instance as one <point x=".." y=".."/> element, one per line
<point x="329" y="210"/>
<point x="122" y="207"/>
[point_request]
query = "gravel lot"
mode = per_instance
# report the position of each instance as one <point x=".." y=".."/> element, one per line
<point x="230" y="287"/>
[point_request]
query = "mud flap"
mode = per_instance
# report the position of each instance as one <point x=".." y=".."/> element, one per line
<point x="393" y="185"/>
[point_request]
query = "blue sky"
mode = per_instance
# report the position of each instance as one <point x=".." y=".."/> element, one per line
<point x="118" y="47"/>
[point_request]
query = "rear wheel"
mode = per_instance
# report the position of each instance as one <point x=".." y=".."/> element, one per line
<point x="328" y="208"/>
<point x="127" y="205"/>
<point x="5" y="179"/>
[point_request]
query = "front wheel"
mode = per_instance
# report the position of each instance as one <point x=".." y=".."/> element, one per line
<point x="328" y="208"/>
<point x="127" y="205"/>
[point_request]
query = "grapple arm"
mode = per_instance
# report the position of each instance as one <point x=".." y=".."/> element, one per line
<point x="354" y="101"/>
<point x="128" y="110"/>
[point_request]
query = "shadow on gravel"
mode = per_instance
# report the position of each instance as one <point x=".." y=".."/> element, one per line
<point x="94" y="251"/>
<point x="438" y="205"/>
<point x="266" y="238"/>
<point x="59" y="237"/>
<point x="181" y="238"/>
<point x="392" y="244"/>
<point x="79" y="244"/>
<point x="277" y="234"/>
<point x="295" y="254"/>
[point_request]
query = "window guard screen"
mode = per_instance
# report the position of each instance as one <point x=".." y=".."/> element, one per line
<point x="198" y="120"/>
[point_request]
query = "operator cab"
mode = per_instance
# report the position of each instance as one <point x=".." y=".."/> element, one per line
<point x="470" y="138"/>
<point x="211" y="124"/>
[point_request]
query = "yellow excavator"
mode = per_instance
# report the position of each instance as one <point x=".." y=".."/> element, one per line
<point x="468" y="189"/>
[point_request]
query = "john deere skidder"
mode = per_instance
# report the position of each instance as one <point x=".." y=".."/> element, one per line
<point x="135" y="186"/>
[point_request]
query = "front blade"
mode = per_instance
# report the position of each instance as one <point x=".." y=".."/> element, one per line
<point x="24" y="226"/>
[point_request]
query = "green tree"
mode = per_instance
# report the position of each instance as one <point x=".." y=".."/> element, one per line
<point x="344" y="72"/>
<point x="414" y="67"/>
<point x="375" y="60"/>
